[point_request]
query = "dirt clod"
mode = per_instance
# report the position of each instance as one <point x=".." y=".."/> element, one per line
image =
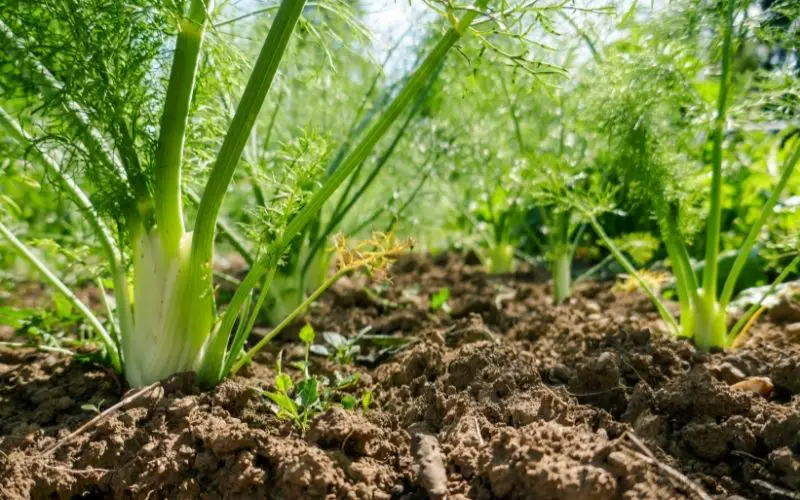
<point x="506" y="396"/>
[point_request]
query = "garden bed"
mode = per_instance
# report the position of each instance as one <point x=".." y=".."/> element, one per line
<point x="504" y="396"/>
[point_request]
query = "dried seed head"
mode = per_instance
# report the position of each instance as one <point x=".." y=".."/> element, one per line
<point x="654" y="279"/>
<point x="374" y="254"/>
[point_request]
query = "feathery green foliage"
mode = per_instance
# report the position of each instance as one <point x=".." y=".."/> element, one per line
<point x="109" y="96"/>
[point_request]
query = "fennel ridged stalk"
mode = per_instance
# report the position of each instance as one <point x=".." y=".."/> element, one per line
<point x="562" y="276"/>
<point x="561" y="258"/>
<point x="171" y="320"/>
<point x="169" y="154"/>
<point x="710" y="317"/>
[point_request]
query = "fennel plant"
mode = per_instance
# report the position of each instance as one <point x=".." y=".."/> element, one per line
<point x="102" y="109"/>
<point x="640" y="143"/>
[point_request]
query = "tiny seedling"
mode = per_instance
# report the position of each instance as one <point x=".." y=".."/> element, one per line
<point x="94" y="408"/>
<point x="439" y="300"/>
<point x="313" y="394"/>
<point x="338" y="347"/>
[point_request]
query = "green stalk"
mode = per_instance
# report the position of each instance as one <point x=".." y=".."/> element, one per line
<point x="211" y="369"/>
<point x="169" y="153"/>
<point x="199" y="281"/>
<point x="711" y="270"/>
<point x="680" y="257"/>
<point x="241" y="336"/>
<point x="561" y="260"/>
<point x="737" y="328"/>
<point x="657" y="302"/>
<point x="109" y="311"/>
<point x="225" y="229"/>
<point x="710" y="318"/>
<point x="685" y="279"/>
<point x="595" y="268"/>
<point x="686" y="294"/>
<point x="289" y="319"/>
<point x="51" y="278"/>
<point x="236" y="138"/>
<point x="576" y="240"/>
<point x="561" y="268"/>
<point x="750" y="240"/>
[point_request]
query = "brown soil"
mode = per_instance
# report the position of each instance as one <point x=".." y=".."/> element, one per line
<point x="507" y="396"/>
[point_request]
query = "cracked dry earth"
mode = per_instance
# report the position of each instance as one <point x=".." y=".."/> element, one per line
<point x="505" y="396"/>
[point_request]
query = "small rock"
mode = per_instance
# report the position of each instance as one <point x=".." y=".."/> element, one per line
<point x="788" y="464"/>
<point x="427" y="452"/>
<point x="786" y="375"/>
<point x="182" y="406"/>
<point x="436" y="337"/>
<point x="786" y="311"/>
<point x="706" y="440"/>
<point x="758" y="385"/>
<point x="560" y="372"/>
<point x="593" y="307"/>
<point x="793" y="329"/>
<point x="728" y="373"/>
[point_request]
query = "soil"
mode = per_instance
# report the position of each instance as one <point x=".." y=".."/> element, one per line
<point x="505" y="395"/>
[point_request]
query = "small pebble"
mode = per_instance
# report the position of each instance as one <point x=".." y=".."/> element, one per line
<point x="593" y="307"/>
<point x="560" y="372"/>
<point x="793" y="329"/>
<point x="728" y="373"/>
<point x="758" y="385"/>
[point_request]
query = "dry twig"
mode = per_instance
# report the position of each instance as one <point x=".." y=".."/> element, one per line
<point x="647" y="456"/>
<point x="101" y="416"/>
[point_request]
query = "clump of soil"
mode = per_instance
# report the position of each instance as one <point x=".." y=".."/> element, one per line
<point x="501" y="395"/>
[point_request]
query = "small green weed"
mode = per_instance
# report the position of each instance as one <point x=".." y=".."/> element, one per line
<point x="439" y="300"/>
<point x="313" y="394"/>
